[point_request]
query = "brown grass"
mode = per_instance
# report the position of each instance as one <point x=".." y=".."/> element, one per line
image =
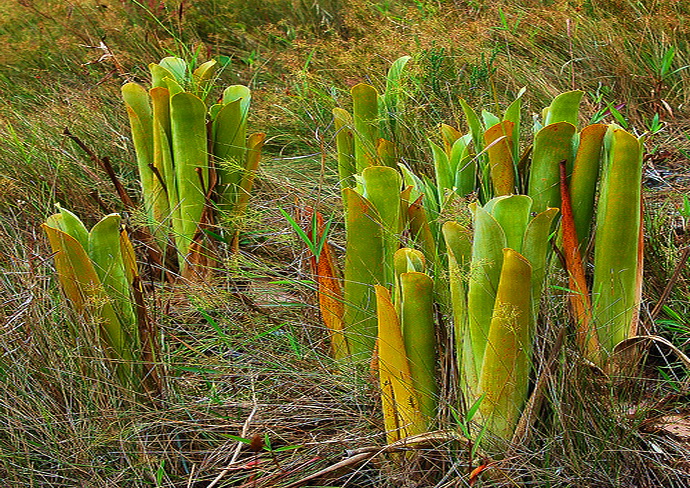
<point x="246" y="354"/>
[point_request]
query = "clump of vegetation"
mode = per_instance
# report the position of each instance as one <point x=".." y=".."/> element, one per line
<point x="99" y="276"/>
<point x="194" y="159"/>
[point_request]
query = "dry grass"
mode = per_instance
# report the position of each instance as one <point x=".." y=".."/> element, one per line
<point x="246" y="355"/>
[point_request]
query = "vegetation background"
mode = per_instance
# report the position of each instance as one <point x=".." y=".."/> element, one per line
<point x="246" y="357"/>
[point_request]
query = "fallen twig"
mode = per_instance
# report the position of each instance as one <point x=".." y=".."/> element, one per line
<point x="104" y="164"/>
<point x="238" y="448"/>
<point x="363" y="454"/>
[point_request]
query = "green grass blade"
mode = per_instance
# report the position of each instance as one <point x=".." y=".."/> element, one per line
<point x="475" y="125"/>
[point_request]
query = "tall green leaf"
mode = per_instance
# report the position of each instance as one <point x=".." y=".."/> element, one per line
<point x="617" y="263"/>
<point x="190" y="153"/>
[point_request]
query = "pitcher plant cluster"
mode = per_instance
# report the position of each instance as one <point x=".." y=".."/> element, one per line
<point x="194" y="157"/>
<point x="567" y="198"/>
<point x="196" y="164"/>
<point x="476" y="240"/>
<point x="98" y="273"/>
